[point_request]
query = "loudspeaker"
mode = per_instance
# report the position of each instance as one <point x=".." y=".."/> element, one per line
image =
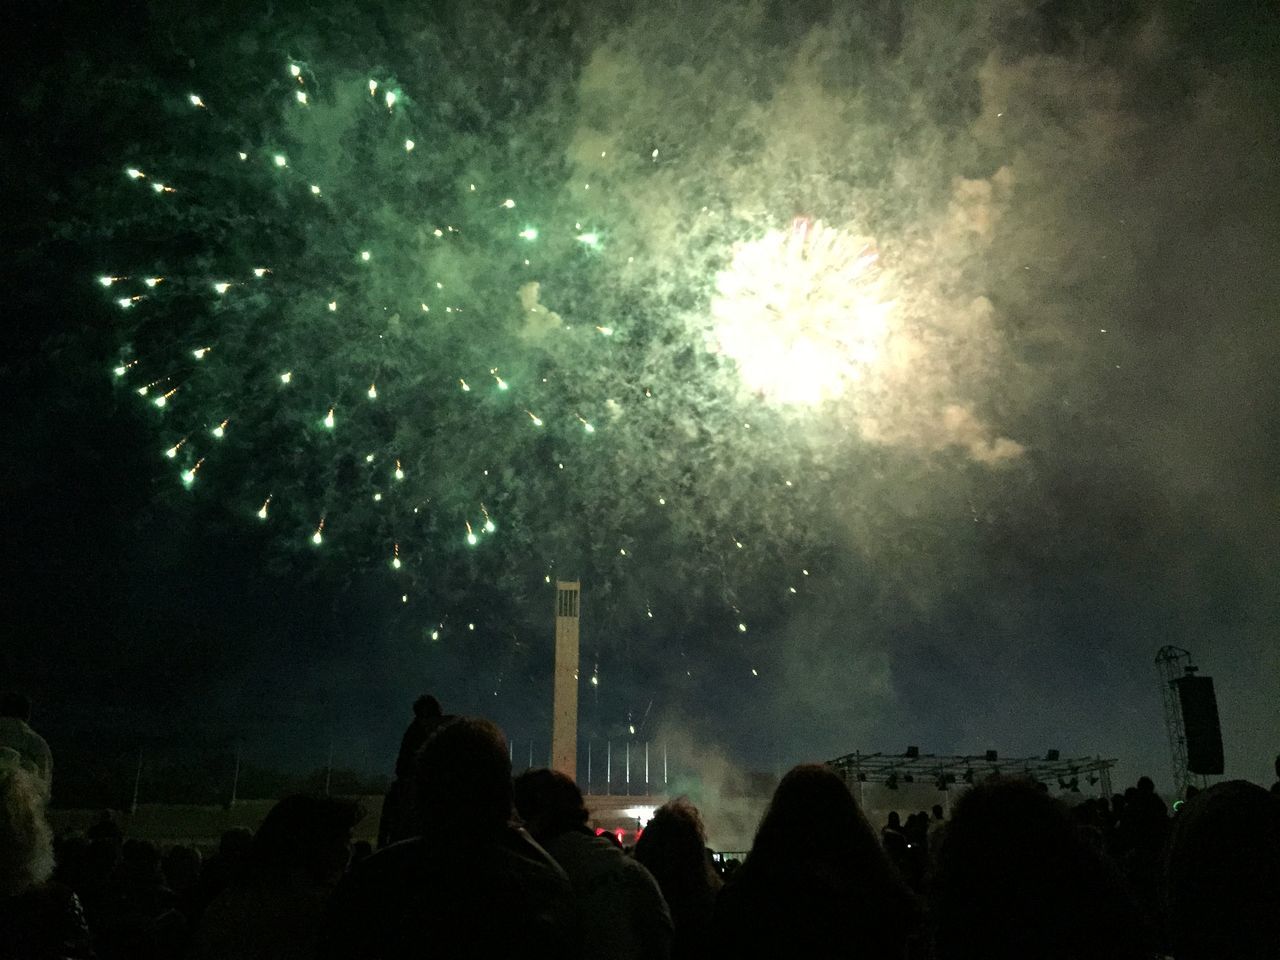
<point x="1200" y="720"/>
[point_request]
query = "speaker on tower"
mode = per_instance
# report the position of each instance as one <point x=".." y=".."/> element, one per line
<point x="1200" y="721"/>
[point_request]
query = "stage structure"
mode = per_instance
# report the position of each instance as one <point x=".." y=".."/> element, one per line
<point x="564" y="707"/>
<point x="1190" y="718"/>
<point x="942" y="772"/>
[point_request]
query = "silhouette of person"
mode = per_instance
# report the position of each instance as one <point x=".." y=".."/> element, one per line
<point x="16" y="734"/>
<point x="1222" y="877"/>
<point x="1015" y="877"/>
<point x="469" y="884"/>
<point x="621" y="912"/>
<point x="274" y="905"/>
<point x="816" y="883"/>
<point x="397" y="820"/>
<point x="38" y="918"/>
<point x="894" y="840"/>
<point x="427" y="714"/>
<point x="673" y="847"/>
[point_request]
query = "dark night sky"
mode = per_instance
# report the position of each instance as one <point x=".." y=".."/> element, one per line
<point x="1090" y="192"/>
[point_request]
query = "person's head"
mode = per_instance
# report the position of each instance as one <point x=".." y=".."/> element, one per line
<point x="813" y="815"/>
<point x="234" y="843"/>
<point x="310" y="835"/>
<point x="937" y="811"/>
<point x="182" y="867"/>
<point x="1014" y="875"/>
<point x="13" y="704"/>
<point x="1222" y="876"/>
<point x="26" y="842"/>
<point x="549" y="803"/>
<point x="895" y="821"/>
<point x="426" y="706"/>
<point x="102" y="858"/>
<point x="1146" y="786"/>
<point x="464" y="780"/>
<point x="140" y="862"/>
<point x="673" y="847"/>
<point x="813" y="826"/>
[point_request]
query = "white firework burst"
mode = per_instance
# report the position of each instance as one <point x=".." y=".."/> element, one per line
<point x="802" y="312"/>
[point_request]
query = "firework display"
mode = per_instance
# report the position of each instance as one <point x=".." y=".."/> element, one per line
<point x="349" y="342"/>
<point x="395" y="346"/>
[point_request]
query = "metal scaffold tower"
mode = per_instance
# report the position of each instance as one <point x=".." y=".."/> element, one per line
<point x="1172" y="663"/>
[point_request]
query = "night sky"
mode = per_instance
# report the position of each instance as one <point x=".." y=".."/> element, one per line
<point x="889" y="373"/>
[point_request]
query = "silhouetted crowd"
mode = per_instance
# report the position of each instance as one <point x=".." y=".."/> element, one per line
<point x="474" y="864"/>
